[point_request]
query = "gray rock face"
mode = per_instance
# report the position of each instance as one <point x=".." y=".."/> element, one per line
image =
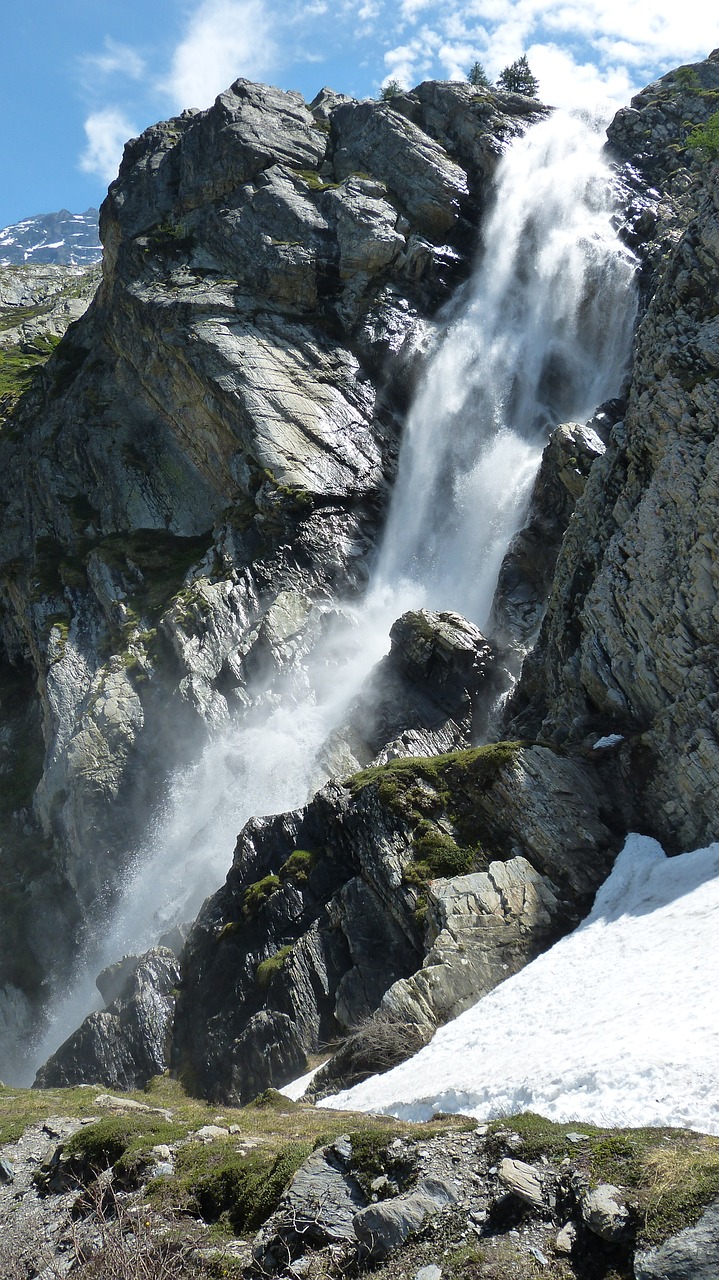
<point x="526" y="575"/>
<point x="483" y="928"/>
<point x="382" y="1228"/>
<point x="659" y="179"/>
<point x="416" y="169"/>
<point x="319" y="1207"/>
<point x="127" y="1043"/>
<point x="692" y="1254"/>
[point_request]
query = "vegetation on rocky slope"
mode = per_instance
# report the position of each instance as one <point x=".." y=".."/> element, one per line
<point x="179" y="1172"/>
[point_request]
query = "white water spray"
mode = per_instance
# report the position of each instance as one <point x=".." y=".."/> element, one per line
<point x="540" y="336"/>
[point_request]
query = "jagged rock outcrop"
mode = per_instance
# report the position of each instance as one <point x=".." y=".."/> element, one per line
<point x="659" y="178"/>
<point x="432" y="693"/>
<point x="527" y="571"/>
<point x="126" y="1043"/>
<point x="323" y="910"/>
<point x="629" y="642"/>
<point x="201" y="466"/>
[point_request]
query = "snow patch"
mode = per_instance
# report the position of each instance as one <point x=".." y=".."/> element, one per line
<point x="617" y="1024"/>
<point x="611" y="740"/>
<point x="296" y="1088"/>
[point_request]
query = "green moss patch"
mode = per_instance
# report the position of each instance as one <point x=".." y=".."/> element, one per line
<point x="257" y="894"/>
<point x="231" y="1188"/>
<point x="118" y="1141"/>
<point x="268" y="969"/>
<point x="299" y="866"/>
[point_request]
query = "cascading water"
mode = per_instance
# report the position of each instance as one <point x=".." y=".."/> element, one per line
<point x="540" y="335"/>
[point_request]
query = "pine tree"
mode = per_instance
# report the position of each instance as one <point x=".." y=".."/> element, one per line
<point x="478" y="77"/>
<point x="518" y="78"/>
<point x="390" y="90"/>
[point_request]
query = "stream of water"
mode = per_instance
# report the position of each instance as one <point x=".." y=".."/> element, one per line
<point x="540" y="335"/>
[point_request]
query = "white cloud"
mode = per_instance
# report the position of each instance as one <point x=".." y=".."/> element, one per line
<point x="225" y="39"/>
<point x="117" y="59"/>
<point x="106" y="131"/>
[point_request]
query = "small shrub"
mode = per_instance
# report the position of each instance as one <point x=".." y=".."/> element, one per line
<point x="391" y="90"/>
<point x="376" y="1045"/>
<point x="706" y="136"/>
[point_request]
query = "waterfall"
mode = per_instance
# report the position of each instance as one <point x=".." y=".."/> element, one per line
<point x="542" y="338"/>
<point x="539" y="335"/>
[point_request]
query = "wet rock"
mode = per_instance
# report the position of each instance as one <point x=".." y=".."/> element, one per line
<point x="125" y="1044"/>
<point x="431" y="694"/>
<point x="628" y="645"/>
<point x="526" y="574"/>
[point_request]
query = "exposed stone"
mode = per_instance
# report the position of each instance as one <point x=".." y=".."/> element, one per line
<point x="302" y="943"/>
<point x="432" y="693"/>
<point x="692" y="1254"/>
<point x="566" y="1238"/>
<point x="318" y="1207"/>
<point x="483" y="928"/>
<point x="125" y="1044"/>
<point x="606" y="1213"/>
<point x="629" y="642"/>
<point x="382" y="1228"/>
<point x="523" y="1181"/>
<point x="205" y="460"/>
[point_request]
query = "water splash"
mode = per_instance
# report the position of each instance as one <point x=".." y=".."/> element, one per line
<point x="540" y="335"/>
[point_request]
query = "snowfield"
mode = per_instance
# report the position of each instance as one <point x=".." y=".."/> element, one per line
<point x="617" y="1024"/>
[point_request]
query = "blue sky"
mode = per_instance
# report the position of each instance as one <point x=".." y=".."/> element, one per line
<point x="81" y="76"/>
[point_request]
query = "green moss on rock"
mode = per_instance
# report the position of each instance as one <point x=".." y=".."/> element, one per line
<point x="268" y="969"/>
<point x="257" y="894"/>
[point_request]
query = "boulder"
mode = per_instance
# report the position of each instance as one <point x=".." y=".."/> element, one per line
<point x="318" y="1208"/>
<point x="432" y="693"/>
<point x="381" y="1228"/>
<point x="606" y="1212"/>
